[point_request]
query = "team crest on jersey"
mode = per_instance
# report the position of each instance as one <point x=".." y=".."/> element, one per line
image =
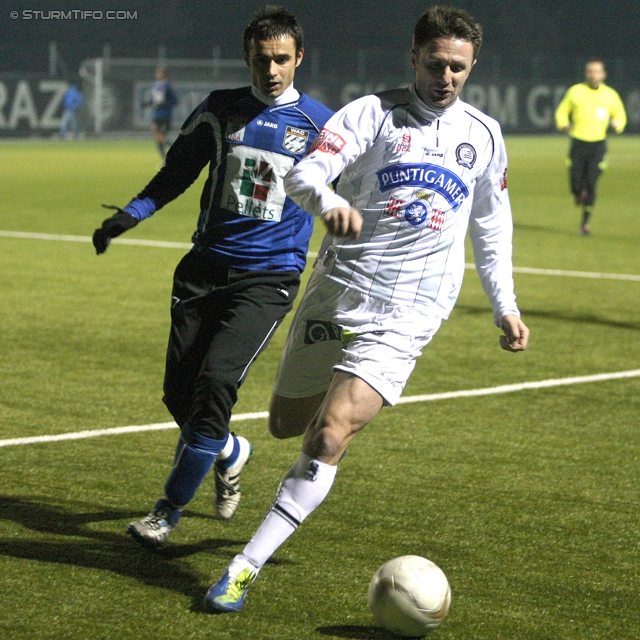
<point x="466" y="155"/>
<point x="421" y="215"/>
<point x="416" y="215"/>
<point x="235" y="129"/>
<point x="295" y="140"/>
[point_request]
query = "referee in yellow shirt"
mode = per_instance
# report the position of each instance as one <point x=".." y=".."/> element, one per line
<point x="585" y="113"/>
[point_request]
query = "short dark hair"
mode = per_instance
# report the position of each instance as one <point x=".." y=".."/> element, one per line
<point x="269" y="23"/>
<point x="447" y="22"/>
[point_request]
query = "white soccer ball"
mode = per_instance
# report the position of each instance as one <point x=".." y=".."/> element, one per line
<point x="409" y="596"/>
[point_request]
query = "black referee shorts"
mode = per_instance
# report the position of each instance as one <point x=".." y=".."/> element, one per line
<point x="586" y="159"/>
<point x="221" y="319"/>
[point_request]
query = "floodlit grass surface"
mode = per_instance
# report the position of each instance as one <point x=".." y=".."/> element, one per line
<point x="528" y="501"/>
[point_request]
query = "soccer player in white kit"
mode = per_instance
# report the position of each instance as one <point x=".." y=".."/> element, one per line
<point x="418" y="167"/>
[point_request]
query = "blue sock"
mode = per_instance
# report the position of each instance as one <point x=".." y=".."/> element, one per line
<point x="232" y="457"/>
<point x="191" y="465"/>
<point x="173" y="514"/>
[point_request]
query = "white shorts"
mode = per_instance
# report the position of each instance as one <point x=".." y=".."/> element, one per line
<point x="336" y="328"/>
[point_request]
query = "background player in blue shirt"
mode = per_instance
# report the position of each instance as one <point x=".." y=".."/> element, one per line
<point x="72" y="102"/>
<point x="232" y="290"/>
<point x="163" y="99"/>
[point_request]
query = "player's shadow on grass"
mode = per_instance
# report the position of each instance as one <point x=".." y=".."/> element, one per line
<point x="554" y="315"/>
<point x="87" y="547"/>
<point x="357" y="631"/>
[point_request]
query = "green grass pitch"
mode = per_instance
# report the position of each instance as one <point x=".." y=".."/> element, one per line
<point x="528" y="501"/>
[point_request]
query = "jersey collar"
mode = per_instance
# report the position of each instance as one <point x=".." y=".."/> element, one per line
<point x="290" y="94"/>
<point x="428" y="113"/>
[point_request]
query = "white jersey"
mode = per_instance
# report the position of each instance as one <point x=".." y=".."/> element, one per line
<point x="419" y="178"/>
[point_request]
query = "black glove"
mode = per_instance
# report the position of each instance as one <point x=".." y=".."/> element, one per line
<point x="112" y="227"/>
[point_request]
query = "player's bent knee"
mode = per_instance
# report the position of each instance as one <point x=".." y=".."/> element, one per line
<point x="282" y="431"/>
<point x="177" y="407"/>
<point x="289" y="417"/>
<point x="326" y="444"/>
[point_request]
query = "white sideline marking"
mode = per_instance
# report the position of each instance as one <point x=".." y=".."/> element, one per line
<point x="508" y="388"/>
<point x="558" y="382"/>
<point x="312" y="254"/>
<point x="52" y="236"/>
<point x="570" y="274"/>
<point x="94" y="433"/>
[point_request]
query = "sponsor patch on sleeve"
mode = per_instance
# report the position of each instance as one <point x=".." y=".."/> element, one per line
<point x="404" y="146"/>
<point x="235" y="128"/>
<point x="328" y="142"/>
<point x="503" y="180"/>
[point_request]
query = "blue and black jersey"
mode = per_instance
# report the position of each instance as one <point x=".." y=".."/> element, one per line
<point x="164" y="99"/>
<point x="246" y="219"/>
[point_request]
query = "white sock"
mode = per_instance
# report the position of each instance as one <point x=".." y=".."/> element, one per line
<point x="227" y="450"/>
<point x="303" y="489"/>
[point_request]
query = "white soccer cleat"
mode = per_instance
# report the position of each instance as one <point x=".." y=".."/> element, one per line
<point x="227" y="495"/>
<point x="154" y="530"/>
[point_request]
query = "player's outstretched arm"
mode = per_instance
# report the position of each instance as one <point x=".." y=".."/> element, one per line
<point x="516" y="334"/>
<point x="343" y="222"/>
<point x="112" y="227"/>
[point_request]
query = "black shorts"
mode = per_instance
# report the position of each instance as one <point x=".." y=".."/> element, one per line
<point x="221" y="320"/>
<point x="586" y="167"/>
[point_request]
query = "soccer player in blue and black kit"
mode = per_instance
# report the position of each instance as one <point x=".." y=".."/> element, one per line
<point x="163" y="100"/>
<point x="232" y="290"/>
